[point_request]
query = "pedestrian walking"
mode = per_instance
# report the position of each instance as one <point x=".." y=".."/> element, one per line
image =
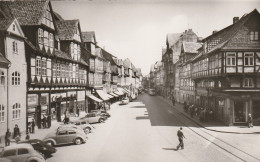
<point x="250" y="121"/>
<point x="44" y="121"/>
<point x="29" y="126"/>
<point x="16" y="132"/>
<point x="180" y="138"/>
<point x="7" y="137"/>
<point x="78" y="111"/>
<point x="33" y="125"/>
<point x="173" y="101"/>
<point x="49" y="121"/>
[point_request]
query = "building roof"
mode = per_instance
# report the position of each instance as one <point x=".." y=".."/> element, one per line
<point x="61" y="54"/>
<point x="67" y="29"/>
<point x="26" y="12"/>
<point x="172" y="38"/>
<point x="3" y="59"/>
<point x="108" y="57"/>
<point x="83" y="62"/>
<point x="127" y="63"/>
<point x="5" y="23"/>
<point x="88" y="35"/>
<point x="191" y="47"/>
<point x="57" y="16"/>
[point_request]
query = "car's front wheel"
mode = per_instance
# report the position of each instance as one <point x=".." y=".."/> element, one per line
<point x="50" y="143"/>
<point x="87" y="130"/>
<point x="101" y="120"/>
<point x="78" y="141"/>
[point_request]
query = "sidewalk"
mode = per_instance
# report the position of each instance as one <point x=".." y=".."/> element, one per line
<point x="41" y="133"/>
<point x="216" y="125"/>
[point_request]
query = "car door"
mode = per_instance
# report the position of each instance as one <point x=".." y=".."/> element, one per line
<point x="71" y="136"/>
<point x="22" y="154"/>
<point x="10" y="154"/>
<point x="92" y="118"/>
<point x="61" y="137"/>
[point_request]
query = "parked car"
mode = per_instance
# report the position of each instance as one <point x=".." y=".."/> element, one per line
<point x="70" y="126"/>
<point x="125" y="101"/>
<point x="5" y="160"/>
<point x="93" y="118"/>
<point x="88" y="128"/>
<point x="65" y="135"/>
<point x="40" y="146"/>
<point x="102" y="113"/>
<point x="22" y="153"/>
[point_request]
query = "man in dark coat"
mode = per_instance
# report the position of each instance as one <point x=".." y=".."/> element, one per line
<point x="180" y="137"/>
<point x="7" y="137"/>
<point x="173" y="101"/>
<point x="49" y="121"/>
<point x="16" y="131"/>
<point x="44" y="121"/>
<point x="33" y="125"/>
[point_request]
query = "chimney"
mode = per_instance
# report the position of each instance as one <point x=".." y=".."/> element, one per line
<point x="214" y="31"/>
<point x="235" y="19"/>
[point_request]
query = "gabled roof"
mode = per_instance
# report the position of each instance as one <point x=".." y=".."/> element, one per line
<point x="4" y="60"/>
<point x="5" y="23"/>
<point x="84" y="62"/>
<point x="172" y="38"/>
<point x="191" y="47"/>
<point x="67" y="29"/>
<point x="57" y="16"/>
<point x="108" y="57"/>
<point x="127" y="63"/>
<point x="26" y="12"/>
<point x="87" y="36"/>
<point x="229" y="32"/>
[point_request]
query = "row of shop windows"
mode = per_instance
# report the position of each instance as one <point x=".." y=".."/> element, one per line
<point x="16" y="112"/>
<point x="15" y="78"/>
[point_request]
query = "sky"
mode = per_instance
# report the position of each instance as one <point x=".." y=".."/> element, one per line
<point x="137" y="29"/>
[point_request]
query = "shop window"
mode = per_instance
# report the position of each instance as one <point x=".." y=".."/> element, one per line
<point x="2" y="113"/>
<point x="2" y="78"/>
<point x="239" y="111"/>
<point x="15" y="78"/>
<point x="16" y="111"/>
<point x="248" y="82"/>
<point x="231" y="59"/>
<point x="249" y="59"/>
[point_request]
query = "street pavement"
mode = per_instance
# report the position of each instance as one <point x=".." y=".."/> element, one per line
<point x="145" y="130"/>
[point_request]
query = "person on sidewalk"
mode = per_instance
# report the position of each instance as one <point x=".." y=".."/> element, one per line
<point x="44" y="121"/>
<point x="49" y="120"/>
<point x="250" y="121"/>
<point x="27" y="137"/>
<point x="173" y="101"/>
<point x="7" y="137"/>
<point x="16" y="132"/>
<point x="180" y="138"/>
<point x="33" y="125"/>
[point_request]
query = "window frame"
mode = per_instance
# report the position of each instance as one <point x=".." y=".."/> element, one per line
<point x="249" y="59"/>
<point x="2" y="113"/>
<point x="254" y="35"/>
<point x="16" y="78"/>
<point x="231" y="58"/>
<point x="16" y="111"/>
<point x="38" y="66"/>
<point x="2" y="78"/>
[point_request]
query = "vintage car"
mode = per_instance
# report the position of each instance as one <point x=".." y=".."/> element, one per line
<point x="40" y="146"/>
<point x="93" y="118"/>
<point x="88" y="128"/>
<point x="103" y="113"/>
<point x="125" y="101"/>
<point x="65" y="135"/>
<point x="22" y="153"/>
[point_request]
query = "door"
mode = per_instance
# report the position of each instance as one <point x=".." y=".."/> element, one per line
<point x="22" y="154"/>
<point x="256" y="110"/>
<point x="10" y="154"/>
<point x="61" y="137"/>
<point x="71" y="136"/>
<point x="239" y="112"/>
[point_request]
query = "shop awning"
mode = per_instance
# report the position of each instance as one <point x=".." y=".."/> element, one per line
<point x="119" y="93"/>
<point x="126" y="90"/>
<point x="113" y="94"/>
<point x="94" y="98"/>
<point x="110" y="96"/>
<point x="102" y="95"/>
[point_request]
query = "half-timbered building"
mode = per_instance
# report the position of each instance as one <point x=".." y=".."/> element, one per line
<point x="226" y="72"/>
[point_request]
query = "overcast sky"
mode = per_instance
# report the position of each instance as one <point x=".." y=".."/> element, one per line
<point x="137" y="29"/>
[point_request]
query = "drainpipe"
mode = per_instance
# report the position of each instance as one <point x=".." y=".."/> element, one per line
<point x="7" y="119"/>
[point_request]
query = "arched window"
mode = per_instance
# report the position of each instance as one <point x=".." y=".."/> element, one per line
<point x="2" y="113"/>
<point x="15" y="78"/>
<point x="2" y="78"/>
<point x="16" y="111"/>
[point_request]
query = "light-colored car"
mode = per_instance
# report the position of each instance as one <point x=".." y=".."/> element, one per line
<point x="22" y="153"/>
<point x="88" y="128"/>
<point x="65" y="135"/>
<point x="65" y="126"/>
<point x="125" y="101"/>
<point x="93" y="118"/>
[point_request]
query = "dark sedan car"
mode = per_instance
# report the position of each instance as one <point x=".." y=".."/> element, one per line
<point x="40" y="146"/>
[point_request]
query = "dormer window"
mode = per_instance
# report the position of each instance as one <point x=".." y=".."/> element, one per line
<point x="254" y="35"/>
<point x="13" y="27"/>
